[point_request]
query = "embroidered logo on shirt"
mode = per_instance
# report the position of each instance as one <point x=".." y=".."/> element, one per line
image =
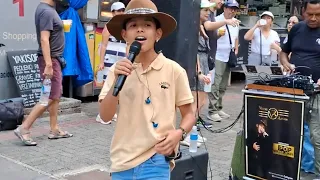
<point x="318" y="41"/>
<point x="164" y="85"/>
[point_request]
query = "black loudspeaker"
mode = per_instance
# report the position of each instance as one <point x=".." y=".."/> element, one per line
<point x="191" y="166"/>
<point x="182" y="45"/>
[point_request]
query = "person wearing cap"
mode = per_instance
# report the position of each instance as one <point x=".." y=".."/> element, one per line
<point x="211" y="26"/>
<point x="202" y="70"/>
<point x="212" y="34"/>
<point x="222" y="69"/>
<point x="145" y="139"/>
<point x="304" y="45"/>
<point x="263" y="41"/>
<point x="116" y="8"/>
<point x="111" y="49"/>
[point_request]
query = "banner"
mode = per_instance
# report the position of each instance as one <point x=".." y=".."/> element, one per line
<point x="273" y="133"/>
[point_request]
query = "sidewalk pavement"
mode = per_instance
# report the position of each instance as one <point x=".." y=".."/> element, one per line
<point x="87" y="153"/>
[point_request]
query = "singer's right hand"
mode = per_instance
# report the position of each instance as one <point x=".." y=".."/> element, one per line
<point x="123" y="66"/>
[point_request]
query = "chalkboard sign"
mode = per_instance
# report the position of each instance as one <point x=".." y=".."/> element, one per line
<point x="25" y="68"/>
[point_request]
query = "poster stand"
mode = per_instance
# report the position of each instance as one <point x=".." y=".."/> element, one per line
<point x="273" y="124"/>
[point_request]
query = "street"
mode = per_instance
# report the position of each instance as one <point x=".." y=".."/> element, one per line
<point x="86" y="155"/>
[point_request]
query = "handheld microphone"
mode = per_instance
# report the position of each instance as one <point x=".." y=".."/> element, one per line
<point x="133" y="52"/>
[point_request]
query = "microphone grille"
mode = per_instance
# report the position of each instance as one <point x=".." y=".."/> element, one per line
<point x="135" y="47"/>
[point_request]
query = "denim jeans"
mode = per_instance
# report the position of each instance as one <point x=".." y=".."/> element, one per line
<point x="157" y="167"/>
<point x="314" y="126"/>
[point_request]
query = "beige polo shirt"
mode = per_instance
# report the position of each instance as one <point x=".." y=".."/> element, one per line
<point x="167" y="85"/>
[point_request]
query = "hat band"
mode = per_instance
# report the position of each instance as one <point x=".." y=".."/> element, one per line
<point x="140" y="11"/>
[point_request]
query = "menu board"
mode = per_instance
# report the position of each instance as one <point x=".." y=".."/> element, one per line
<point x="25" y="68"/>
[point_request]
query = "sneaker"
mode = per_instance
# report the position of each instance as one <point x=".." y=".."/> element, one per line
<point x="98" y="119"/>
<point x="201" y="139"/>
<point x="206" y="124"/>
<point x="223" y="115"/>
<point x="186" y="142"/>
<point x="214" y="117"/>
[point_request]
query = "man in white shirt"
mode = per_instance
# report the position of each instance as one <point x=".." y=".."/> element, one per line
<point x="222" y="69"/>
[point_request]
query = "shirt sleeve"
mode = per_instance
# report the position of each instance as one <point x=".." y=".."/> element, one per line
<point x="107" y="84"/>
<point x="219" y="18"/>
<point x="183" y="93"/>
<point x="286" y="46"/>
<point x="46" y="21"/>
<point x="256" y="34"/>
<point x="276" y="37"/>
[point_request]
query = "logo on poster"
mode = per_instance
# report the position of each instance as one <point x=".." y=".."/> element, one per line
<point x="273" y="113"/>
<point x="283" y="150"/>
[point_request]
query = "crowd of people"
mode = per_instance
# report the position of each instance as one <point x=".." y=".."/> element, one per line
<point x="145" y="139"/>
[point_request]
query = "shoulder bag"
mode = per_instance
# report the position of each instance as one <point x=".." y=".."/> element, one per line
<point x="232" y="56"/>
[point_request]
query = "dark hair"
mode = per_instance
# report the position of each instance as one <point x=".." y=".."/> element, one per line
<point x="158" y="25"/>
<point x="306" y="2"/>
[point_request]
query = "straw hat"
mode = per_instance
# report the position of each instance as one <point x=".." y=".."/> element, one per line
<point x="141" y="8"/>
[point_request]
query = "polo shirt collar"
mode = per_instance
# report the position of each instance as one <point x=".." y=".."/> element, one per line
<point x="157" y="64"/>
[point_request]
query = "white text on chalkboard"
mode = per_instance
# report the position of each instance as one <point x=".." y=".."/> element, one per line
<point x="28" y="86"/>
<point x="25" y="68"/>
<point x="25" y="58"/>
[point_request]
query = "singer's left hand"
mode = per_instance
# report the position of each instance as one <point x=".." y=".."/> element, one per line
<point x="168" y="145"/>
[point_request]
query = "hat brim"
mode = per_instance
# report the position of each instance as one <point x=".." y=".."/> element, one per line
<point x="266" y="15"/>
<point x="115" y="25"/>
<point x="232" y="5"/>
<point x="118" y="9"/>
<point x="209" y="5"/>
<point x="262" y="122"/>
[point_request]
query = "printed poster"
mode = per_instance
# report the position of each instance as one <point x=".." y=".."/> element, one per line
<point x="273" y="132"/>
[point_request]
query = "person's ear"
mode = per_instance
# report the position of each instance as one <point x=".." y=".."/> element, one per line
<point x="158" y="34"/>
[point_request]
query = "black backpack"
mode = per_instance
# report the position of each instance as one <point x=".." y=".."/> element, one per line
<point x="11" y="113"/>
